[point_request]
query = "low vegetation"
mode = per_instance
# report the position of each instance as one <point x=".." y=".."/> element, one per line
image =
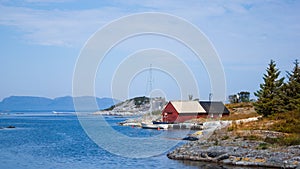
<point x="239" y="105"/>
<point x="237" y="116"/>
<point x="138" y="101"/>
<point x="287" y="123"/>
<point x="141" y="100"/>
<point x="156" y="112"/>
<point x="241" y="110"/>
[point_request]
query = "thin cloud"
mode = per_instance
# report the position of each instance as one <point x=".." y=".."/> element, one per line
<point x="243" y="19"/>
<point x="56" y="27"/>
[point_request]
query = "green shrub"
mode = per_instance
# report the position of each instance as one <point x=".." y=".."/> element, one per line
<point x="288" y="122"/>
<point x="216" y="142"/>
<point x="225" y="137"/>
<point x="293" y="139"/>
<point x="263" y="146"/>
<point x="251" y="137"/>
<point x="272" y="140"/>
<point x="157" y="112"/>
<point x="230" y="128"/>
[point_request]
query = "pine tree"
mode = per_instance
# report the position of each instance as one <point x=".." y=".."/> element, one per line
<point x="244" y="96"/>
<point x="292" y="88"/>
<point x="270" y="93"/>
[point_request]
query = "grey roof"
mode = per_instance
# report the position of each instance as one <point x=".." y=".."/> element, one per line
<point x="214" y="107"/>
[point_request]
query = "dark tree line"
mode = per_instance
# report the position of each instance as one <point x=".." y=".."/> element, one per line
<point x="275" y="95"/>
<point x="242" y="96"/>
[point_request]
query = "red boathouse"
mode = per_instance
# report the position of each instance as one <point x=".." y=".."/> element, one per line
<point x="180" y="111"/>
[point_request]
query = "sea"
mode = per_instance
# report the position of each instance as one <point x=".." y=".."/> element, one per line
<point x="58" y="141"/>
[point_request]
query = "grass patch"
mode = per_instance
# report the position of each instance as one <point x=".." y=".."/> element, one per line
<point x="272" y="140"/>
<point x="289" y="140"/>
<point x="293" y="139"/>
<point x="262" y="146"/>
<point x="237" y="116"/>
<point x="157" y="112"/>
<point x="225" y="137"/>
<point x="288" y="122"/>
<point x="230" y="128"/>
<point x="239" y="105"/>
<point x="240" y="111"/>
<point x="251" y="137"/>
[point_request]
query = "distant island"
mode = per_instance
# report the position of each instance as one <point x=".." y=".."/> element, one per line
<point x="40" y="104"/>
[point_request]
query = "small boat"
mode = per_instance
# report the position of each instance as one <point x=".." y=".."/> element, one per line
<point x="159" y="122"/>
<point x="55" y="112"/>
<point x="154" y="126"/>
<point x="62" y="113"/>
<point x="132" y="124"/>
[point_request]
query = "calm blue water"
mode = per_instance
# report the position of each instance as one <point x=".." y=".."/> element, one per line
<point x="58" y="141"/>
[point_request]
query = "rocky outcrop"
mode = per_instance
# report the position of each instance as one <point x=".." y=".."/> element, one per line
<point x="241" y="153"/>
<point x="8" y="127"/>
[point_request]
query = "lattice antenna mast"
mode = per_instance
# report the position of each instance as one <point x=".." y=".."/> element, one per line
<point x="150" y="81"/>
<point x="210" y="96"/>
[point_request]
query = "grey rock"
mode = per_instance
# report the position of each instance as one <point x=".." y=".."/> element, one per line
<point x="233" y="154"/>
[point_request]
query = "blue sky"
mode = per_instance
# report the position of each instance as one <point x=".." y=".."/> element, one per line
<point x="42" y="39"/>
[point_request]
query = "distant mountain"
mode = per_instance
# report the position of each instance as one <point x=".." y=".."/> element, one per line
<point x="30" y="103"/>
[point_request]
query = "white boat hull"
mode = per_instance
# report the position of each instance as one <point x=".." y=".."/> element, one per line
<point x="155" y="126"/>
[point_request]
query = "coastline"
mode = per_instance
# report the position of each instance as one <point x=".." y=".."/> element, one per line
<point x="238" y="152"/>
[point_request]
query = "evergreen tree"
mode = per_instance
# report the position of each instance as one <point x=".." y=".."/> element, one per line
<point x="270" y="93"/>
<point x="244" y="96"/>
<point x="292" y="88"/>
<point x="233" y="98"/>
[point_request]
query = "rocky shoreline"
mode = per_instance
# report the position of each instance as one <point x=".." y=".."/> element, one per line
<point x="239" y="152"/>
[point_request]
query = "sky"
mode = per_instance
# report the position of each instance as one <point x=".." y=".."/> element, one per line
<point x="41" y="41"/>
